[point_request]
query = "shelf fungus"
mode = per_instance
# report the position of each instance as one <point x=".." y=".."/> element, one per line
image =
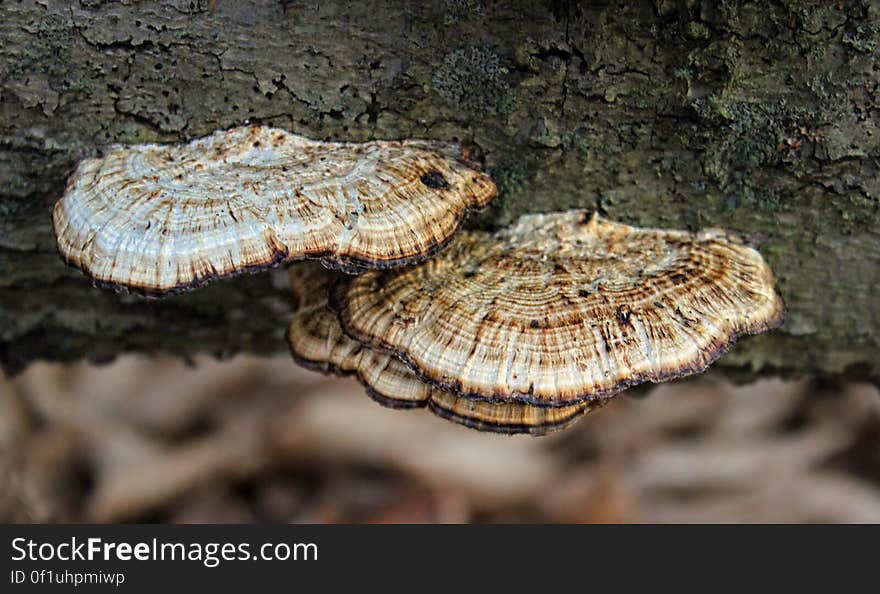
<point x="563" y="308"/>
<point x="317" y="342"/>
<point x="159" y="218"/>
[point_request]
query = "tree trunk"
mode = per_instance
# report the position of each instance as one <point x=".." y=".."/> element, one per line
<point x="761" y="117"/>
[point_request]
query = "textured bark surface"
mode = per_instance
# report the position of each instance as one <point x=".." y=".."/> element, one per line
<point x="761" y="117"/>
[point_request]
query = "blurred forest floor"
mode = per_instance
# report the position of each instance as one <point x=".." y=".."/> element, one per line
<point x="253" y="439"/>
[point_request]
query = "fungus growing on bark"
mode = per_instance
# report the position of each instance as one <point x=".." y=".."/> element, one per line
<point x="160" y="218"/>
<point x="317" y="342"/>
<point x="563" y="308"/>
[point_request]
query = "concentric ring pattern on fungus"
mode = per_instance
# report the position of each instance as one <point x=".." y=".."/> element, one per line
<point x="316" y="341"/>
<point x="563" y="308"/>
<point x="159" y="218"/>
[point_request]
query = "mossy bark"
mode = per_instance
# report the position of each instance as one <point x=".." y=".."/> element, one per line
<point x="761" y="117"/>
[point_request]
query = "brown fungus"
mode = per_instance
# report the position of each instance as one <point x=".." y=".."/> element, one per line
<point x="159" y="218"/>
<point x="317" y="342"/>
<point x="564" y="308"/>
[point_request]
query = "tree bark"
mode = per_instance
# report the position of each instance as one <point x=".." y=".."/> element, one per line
<point x="761" y="117"/>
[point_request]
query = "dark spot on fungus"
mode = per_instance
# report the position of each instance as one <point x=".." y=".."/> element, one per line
<point x="535" y="324"/>
<point x="678" y="279"/>
<point x="434" y="179"/>
<point x="583" y="293"/>
<point x="623" y="314"/>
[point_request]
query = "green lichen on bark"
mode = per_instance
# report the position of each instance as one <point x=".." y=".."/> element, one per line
<point x="756" y="116"/>
<point x="473" y="79"/>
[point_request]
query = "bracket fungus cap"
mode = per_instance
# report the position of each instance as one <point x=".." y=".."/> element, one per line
<point x="563" y="308"/>
<point x="161" y="218"/>
<point x="317" y="342"/>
